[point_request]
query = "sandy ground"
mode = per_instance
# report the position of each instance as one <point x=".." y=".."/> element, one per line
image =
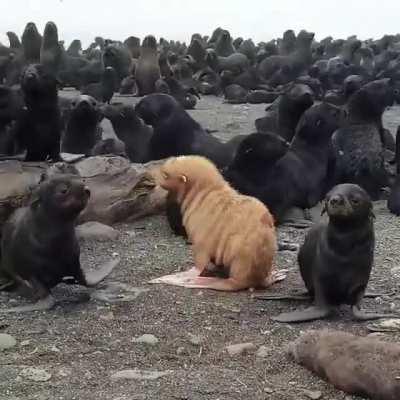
<point x="81" y="344"/>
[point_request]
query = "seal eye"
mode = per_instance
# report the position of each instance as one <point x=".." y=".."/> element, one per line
<point x="355" y="201"/>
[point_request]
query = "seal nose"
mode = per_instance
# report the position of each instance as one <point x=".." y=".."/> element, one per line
<point x="336" y="200"/>
<point x="86" y="191"/>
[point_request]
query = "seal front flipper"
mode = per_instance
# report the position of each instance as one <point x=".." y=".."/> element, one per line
<point x="93" y="278"/>
<point x="309" y="314"/>
<point x="43" y="304"/>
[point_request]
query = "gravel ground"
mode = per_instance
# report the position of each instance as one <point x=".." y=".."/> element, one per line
<point x="81" y="344"/>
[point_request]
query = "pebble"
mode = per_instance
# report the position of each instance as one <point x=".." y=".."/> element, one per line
<point x="93" y="230"/>
<point x="268" y="390"/>
<point x="180" y="351"/>
<point x="63" y="372"/>
<point x="25" y="343"/>
<point x="263" y="352"/>
<point x="240" y="348"/>
<point x="138" y="374"/>
<point x="107" y="317"/>
<point x="195" y="340"/>
<point x="148" y="339"/>
<point x="6" y="341"/>
<point x="36" y="374"/>
<point x="313" y="395"/>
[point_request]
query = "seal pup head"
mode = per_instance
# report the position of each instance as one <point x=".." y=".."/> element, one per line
<point x="61" y="197"/>
<point x="179" y="174"/>
<point x="348" y="201"/>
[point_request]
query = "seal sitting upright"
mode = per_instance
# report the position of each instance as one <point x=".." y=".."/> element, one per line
<point x="39" y="248"/>
<point x="337" y="257"/>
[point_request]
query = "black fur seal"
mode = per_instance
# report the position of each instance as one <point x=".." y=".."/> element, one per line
<point x="336" y="257"/>
<point x="359" y="144"/>
<point x="39" y="247"/>
<point x="50" y="52"/>
<point x="38" y="127"/>
<point x="147" y="69"/>
<point x="31" y="43"/>
<point x="82" y="127"/>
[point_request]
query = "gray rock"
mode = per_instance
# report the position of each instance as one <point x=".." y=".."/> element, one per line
<point x="313" y="395"/>
<point x="237" y="349"/>
<point x="195" y="340"/>
<point x="36" y="374"/>
<point x="181" y="351"/>
<point x="148" y="339"/>
<point x="93" y="230"/>
<point x="6" y="341"/>
<point x="263" y="352"/>
<point x="137" y="374"/>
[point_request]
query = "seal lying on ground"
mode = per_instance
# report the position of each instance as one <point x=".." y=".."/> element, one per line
<point x="362" y="366"/>
<point x="233" y="231"/>
<point x="336" y="257"/>
<point x="39" y="248"/>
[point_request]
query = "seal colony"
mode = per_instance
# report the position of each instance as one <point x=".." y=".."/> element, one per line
<point x="320" y="141"/>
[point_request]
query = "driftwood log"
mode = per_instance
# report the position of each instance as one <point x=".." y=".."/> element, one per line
<point x="120" y="191"/>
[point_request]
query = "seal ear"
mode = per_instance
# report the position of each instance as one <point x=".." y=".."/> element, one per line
<point x="183" y="178"/>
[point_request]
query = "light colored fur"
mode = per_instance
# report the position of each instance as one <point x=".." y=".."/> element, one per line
<point x="225" y="227"/>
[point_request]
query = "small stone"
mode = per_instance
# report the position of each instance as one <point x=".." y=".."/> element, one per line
<point x="88" y="375"/>
<point x="55" y="349"/>
<point x="268" y="390"/>
<point x="63" y="372"/>
<point x="263" y="352"/>
<point x="313" y="395"/>
<point x="25" y="343"/>
<point x="36" y="374"/>
<point x="195" y="340"/>
<point x="237" y="349"/>
<point x="139" y="375"/>
<point x="93" y="230"/>
<point x="148" y="339"/>
<point x="6" y="341"/>
<point x="180" y="351"/>
<point x="107" y="317"/>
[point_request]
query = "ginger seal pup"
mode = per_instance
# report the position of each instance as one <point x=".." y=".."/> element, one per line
<point x="234" y="232"/>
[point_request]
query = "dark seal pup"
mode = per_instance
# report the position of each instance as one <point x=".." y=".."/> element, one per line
<point x="39" y="247"/>
<point x="393" y="202"/>
<point x="177" y="133"/>
<point x="82" y="128"/>
<point x="50" y="52"/>
<point x="38" y="127"/>
<point x="147" y="69"/>
<point x="336" y="257"/>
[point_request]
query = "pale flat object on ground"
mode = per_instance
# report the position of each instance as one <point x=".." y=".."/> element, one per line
<point x="186" y="278"/>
